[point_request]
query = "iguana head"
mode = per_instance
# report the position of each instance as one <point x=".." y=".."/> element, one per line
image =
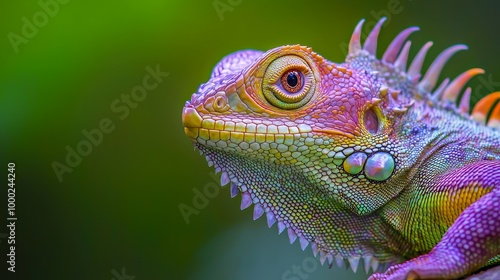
<point x="289" y="106"/>
<point x="312" y="143"/>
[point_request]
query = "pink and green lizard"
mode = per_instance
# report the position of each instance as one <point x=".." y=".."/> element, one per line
<point x="366" y="159"/>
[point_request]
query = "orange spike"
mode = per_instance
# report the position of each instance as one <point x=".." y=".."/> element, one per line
<point x="451" y="92"/>
<point x="495" y="117"/>
<point x="480" y="111"/>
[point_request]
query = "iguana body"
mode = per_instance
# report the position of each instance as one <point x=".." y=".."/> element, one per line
<point x="363" y="160"/>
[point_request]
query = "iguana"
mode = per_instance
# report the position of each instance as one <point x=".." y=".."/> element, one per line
<point x="365" y="159"/>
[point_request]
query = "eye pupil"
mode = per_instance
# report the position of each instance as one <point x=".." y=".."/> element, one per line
<point x="292" y="80"/>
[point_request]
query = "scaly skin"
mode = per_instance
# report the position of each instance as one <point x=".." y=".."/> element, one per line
<point x="359" y="159"/>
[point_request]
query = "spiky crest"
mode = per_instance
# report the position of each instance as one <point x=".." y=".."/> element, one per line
<point x="395" y="59"/>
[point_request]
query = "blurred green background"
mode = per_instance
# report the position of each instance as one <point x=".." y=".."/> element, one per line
<point x="119" y="206"/>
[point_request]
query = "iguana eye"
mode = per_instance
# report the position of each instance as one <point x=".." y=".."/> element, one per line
<point x="288" y="83"/>
<point x="292" y="81"/>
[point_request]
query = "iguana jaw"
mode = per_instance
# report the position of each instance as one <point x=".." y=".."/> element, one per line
<point x="289" y="199"/>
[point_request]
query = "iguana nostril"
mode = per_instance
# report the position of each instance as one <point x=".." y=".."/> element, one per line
<point x="217" y="102"/>
<point x="379" y="166"/>
<point x="220" y="103"/>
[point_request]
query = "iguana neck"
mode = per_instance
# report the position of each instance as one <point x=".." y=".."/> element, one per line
<point x="296" y="202"/>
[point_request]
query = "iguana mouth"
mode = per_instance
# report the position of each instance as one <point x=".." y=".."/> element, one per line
<point x="333" y="132"/>
<point x="223" y="128"/>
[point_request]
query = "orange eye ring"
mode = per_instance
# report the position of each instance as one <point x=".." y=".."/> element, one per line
<point x="292" y="81"/>
<point x="288" y="83"/>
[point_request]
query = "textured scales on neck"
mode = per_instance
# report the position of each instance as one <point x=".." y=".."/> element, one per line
<point x="328" y="151"/>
